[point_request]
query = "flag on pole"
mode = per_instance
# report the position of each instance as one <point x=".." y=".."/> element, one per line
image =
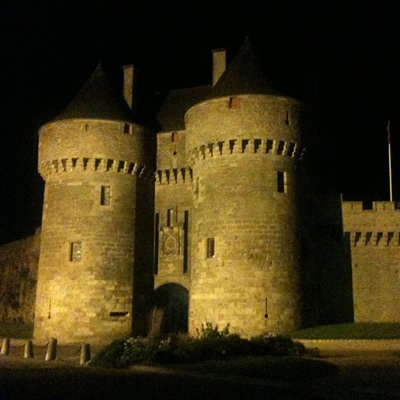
<point x="390" y="164"/>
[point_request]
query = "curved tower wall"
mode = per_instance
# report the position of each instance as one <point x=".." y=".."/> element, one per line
<point x="253" y="280"/>
<point x="88" y="296"/>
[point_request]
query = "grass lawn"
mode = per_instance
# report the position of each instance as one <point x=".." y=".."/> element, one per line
<point x="364" y="330"/>
<point x="265" y="367"/>
<point x="16" y="331"/>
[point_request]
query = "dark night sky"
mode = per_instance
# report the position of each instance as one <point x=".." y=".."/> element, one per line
<point x="344" y="55"/>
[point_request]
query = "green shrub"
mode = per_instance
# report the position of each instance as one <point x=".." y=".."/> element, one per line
<point x="210" y="344"/>
<point x="110" y="356"/>
<point x="212" y="331"/>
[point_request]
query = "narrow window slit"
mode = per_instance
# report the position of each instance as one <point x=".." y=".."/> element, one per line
<point x="105" y="196"/>
<point x="156" y="242"/>
<point x="170" y="217"/>
<point x="75" y="251"/>
<point x="287" y="118"/>
<point x="185" y="242"/>
<point x="210" y="248"/>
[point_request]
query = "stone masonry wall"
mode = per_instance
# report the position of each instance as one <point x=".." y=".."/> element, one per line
<point x="373" y="236"/>
<point x="253" y="281"/>
<point x="18" y="275"/>
<point x="89" y="297"/>
<point x="174" y="192"/>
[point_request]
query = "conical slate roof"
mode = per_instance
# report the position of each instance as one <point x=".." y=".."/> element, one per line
<point x="97" y="100"/>
<point x="244" y="75"/>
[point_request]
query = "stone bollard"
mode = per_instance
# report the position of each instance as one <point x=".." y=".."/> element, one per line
<point x="85" y="354"/>
<point x="5" y="347"/>
<point x="51" y="350"/>
<point x="28" y="350"/>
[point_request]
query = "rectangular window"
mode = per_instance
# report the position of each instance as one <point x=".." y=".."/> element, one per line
<point x="105" y="196"/>
<point x="234" y="102"/>
<point x="76" y="251"/>
<point x="127" y="129"/>
<point x="281" y="182"/>
<point x="210" y="247"/>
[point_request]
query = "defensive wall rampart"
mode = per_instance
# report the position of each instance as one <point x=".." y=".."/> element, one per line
<point x="18" y="277"/>
<point x="372" y="231"/>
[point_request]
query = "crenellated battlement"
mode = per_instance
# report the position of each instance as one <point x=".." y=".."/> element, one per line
<point x="370" y="206"/>
<point x="372" y="223"/>
<point x="373" y="239"/>
<point x="174" y="176"/>
<point x="79" y="164"/>
<point x="248" y="146"/>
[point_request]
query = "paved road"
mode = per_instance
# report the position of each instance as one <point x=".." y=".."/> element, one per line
<point x="366" y="377"/>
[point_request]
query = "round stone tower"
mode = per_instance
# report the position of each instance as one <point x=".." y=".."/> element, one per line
<point x="246" y="145"/>
<point x="95" y="162"/>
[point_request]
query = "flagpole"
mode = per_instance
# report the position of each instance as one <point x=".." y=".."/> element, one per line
<point x="390" y="163"/>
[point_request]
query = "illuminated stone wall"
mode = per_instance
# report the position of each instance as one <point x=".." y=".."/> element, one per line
<point x="87" y="259"/>
<point x="18" y="275"/>
<point x="173" y="207"/>
<point x="253" y="281"/>
<point x="373" y="233"/>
